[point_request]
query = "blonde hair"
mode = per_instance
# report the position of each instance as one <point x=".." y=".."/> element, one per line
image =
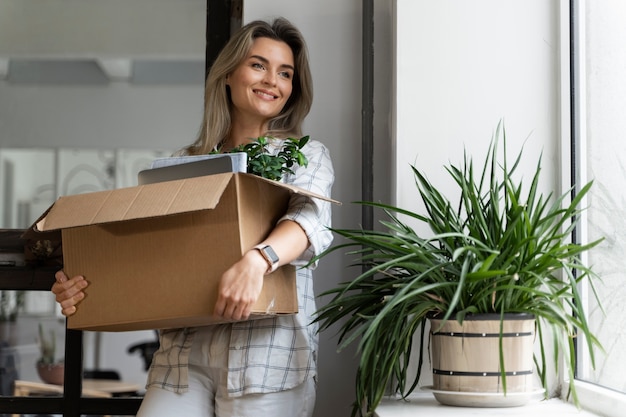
<point x="216" y="121"/>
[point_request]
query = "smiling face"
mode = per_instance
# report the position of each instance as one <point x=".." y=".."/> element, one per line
<point x="262" y="83"/>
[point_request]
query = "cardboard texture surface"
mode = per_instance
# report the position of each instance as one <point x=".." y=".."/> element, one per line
<point x="153" y="254"/>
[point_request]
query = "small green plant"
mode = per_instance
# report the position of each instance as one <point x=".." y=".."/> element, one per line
<point x="263" y="164"/>
<point x="47" y="347"/>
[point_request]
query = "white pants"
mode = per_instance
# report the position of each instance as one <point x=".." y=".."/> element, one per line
<point x="207" y="397"/>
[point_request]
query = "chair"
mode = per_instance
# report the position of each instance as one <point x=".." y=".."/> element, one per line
<point x="146" y="350"/>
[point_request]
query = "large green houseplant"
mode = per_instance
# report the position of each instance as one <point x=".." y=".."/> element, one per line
<point x="500" y="248"/>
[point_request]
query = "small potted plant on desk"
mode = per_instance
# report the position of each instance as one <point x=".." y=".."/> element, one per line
<point x="500" y="256"/>
<point x="50" y="370"/>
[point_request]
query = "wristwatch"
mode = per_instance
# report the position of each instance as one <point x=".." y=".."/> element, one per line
<point x="270" y="256"/>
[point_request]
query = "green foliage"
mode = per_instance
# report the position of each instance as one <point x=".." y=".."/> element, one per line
<point x="266" y="165"/>
<point x="498" y="249"/>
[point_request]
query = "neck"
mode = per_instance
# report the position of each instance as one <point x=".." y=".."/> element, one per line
<point x="241" y="137"/>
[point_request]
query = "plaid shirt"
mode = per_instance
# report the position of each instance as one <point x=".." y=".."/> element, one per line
<point x="275" y="354"/>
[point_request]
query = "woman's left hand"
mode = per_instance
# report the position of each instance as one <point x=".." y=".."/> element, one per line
<point x="240" y="287"/>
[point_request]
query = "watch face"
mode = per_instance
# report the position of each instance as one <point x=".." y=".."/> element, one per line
<point x="271" y="255"/>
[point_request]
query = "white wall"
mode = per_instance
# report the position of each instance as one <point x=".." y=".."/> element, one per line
<point x="462" y="66"/>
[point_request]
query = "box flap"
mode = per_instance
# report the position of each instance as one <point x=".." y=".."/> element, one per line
<point x="144" y="201"/>
<point x="296" y="190"/>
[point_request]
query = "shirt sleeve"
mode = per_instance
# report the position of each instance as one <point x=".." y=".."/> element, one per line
<point x="312" y="214"/>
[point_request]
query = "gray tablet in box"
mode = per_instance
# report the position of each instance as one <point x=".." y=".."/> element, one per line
<point x="179" y="167"/>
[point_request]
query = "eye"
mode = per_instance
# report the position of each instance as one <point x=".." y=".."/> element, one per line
<point x="285" y="74"/>
<point x="257" y="65"/>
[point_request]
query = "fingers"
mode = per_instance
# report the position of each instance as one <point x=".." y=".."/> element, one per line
<point x="235" y="300"/>
<point x="220" y="307"/>
<point x="60" y="276"/>
<point x="68" y="311"/>
<point x="232" y="308"/>
<point x="240" y="287"/>
<point x="237" y="295"/>
<point x="68" y="292"/>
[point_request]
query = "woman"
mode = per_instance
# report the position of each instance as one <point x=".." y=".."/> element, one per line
<point x="259" y="85"/>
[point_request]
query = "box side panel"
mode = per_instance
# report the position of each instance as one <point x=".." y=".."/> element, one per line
<point x="278" y="298"/>
<point x="261" y="204"/>
<point x="146" y="270"/>
<point x="279" y="293"/>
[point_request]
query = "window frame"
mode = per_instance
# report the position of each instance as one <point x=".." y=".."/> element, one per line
<point x="592" y="397"/>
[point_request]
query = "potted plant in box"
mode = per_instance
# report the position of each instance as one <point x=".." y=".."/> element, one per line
<point x="263" y="163"/>
<point x="500" y="250"/>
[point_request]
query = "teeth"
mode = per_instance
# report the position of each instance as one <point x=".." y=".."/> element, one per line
<point x="264" y="94"/>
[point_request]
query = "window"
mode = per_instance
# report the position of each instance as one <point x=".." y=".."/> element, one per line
<point x="600" y="127"/>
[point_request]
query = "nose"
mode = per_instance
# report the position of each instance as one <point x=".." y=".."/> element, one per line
<point x="269" y="78"/>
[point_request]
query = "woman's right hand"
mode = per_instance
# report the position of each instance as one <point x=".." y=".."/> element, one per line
<point x="68" y="292"/>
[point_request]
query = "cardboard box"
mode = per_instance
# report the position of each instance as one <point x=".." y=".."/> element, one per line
<point x="153" y="254"/>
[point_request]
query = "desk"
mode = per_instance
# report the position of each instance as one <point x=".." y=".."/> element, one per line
<point x="111" y="386"/>
<point x="94" y="388"/>
<point x="98" y="388"/>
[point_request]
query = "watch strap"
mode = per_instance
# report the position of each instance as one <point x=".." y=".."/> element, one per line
<point x="269" y="255"/>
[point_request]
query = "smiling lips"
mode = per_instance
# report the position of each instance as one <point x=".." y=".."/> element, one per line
<point x="265" y="94"/>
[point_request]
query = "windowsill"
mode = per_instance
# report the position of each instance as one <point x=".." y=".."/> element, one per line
<point x="425" y="404"/>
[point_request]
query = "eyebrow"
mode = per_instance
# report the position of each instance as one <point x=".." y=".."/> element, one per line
<point x="266" y="61"/>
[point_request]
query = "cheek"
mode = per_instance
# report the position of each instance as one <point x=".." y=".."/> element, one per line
<point x="287" y="90"/>
<point x="239" y="80"/>
<point x="237" y="88"/>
